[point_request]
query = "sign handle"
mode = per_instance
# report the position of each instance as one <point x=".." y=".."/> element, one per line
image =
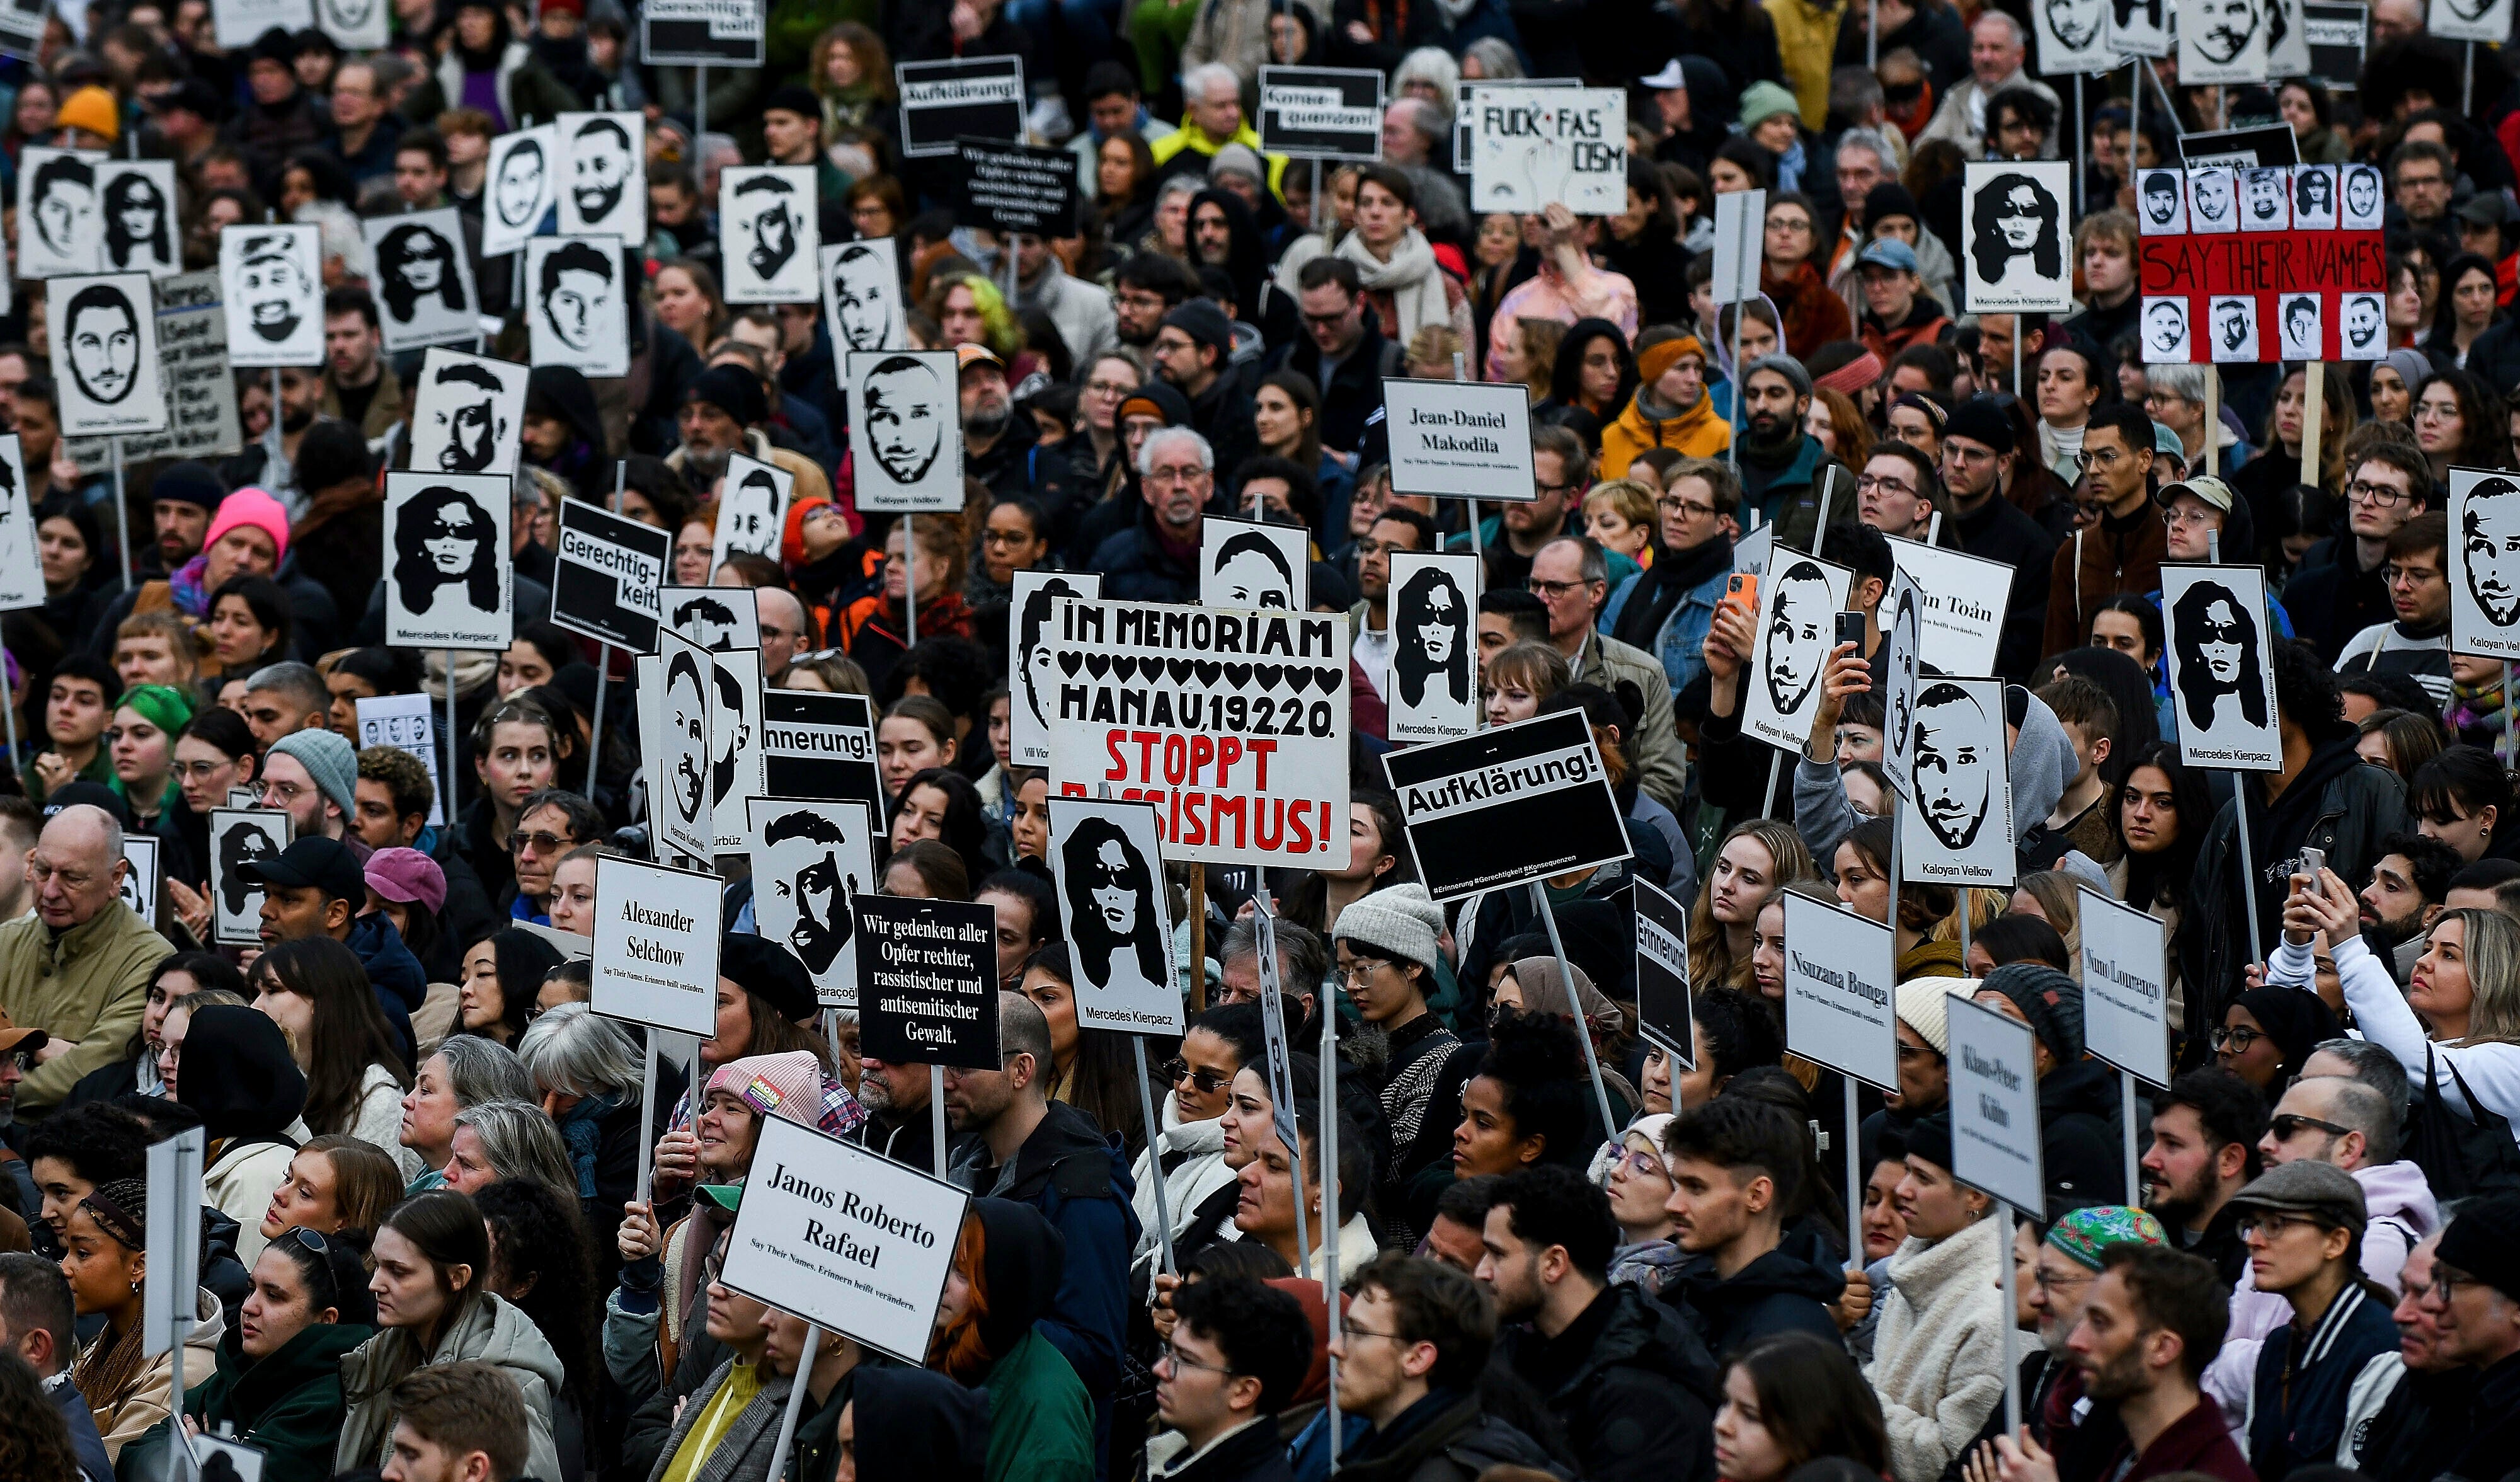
<point x="1155" y="1158"/>
<point x="797" y="1386"/>
<point x="2213" y="419"/>
<point x="1198" y="938"/>
<point x="1329" y="1162"/>
<point x="1610" y="1124"/>
<point x="2134" y="115"/>
<point x="2011" y="1328"/>
<point x="2510" y="744"/>
<point x="179" y="1450"/>
<point x="699" y="125"/>
<point x="1965" y="904"/>
<point x="1479" y="566"/>
<point x="122" y="510"/>
<point x="603" y="665"/>
<point x="2313" y="398"/>
<point x="648" y="1111"/>
<point x="2082" y="137"/>
<point x="937" y="1112"/>
<point x="1855" y="1169"/>
<point x="2134" y="1159"/>
<point x="9" y="711"/>
<point x="451" y="774"/>
<point x="910" y="580"/>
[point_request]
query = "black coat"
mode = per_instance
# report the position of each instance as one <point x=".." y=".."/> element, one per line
<point x="1136" y="566"/>
<point x="2329" y="603"/>
<point x="1254" y="1454"/>
<point x="1444" y="1437"/>
<point x="1997" y="530"/>
<point x="1775" y="1294"/>
<point x="1633" y="1389"/>
<point x="1355" y="391"/>
<point x="2079" y="1135"/>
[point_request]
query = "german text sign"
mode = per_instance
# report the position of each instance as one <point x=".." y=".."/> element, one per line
<point x="1995" y="1105"/>
<point x="927" y="982"/>
<point x="2126" y="1017"/>
<point x="1521" y="802"/>
<point x="656" y="945"/>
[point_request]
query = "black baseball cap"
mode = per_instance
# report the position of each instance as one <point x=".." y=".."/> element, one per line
<point x="327" y="864"/>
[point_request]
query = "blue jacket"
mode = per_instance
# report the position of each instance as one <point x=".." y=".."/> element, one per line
<point x="2298" y="1410"/>
<point x="400" y="983"/>
<point x="1135" y="567"/>
<point x="86" y="1443"/>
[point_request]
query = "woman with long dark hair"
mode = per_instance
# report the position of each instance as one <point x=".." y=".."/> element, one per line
<point x="2460" y="423"/>
<point x="1090" y="1069"/>
<point x="445" y="539"/>
<point x="1124" y="187"/>
<point x="316" y="991"/>
<point x="1594" y="376"/>
<point x="2217" y="642"/>
<point x="503" y="968"/>
<point x="1793" y="1399"/>
<point x="249" y="625"/>
<point x="940" y="804"/>
<point x="136" y="234"/>
<point x="538" y="1261"/>
<point x="2468" y="307"/>
<point x="2163" y="810"/>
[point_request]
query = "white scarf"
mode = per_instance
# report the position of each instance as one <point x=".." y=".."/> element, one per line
<point x="1411" y="279"/>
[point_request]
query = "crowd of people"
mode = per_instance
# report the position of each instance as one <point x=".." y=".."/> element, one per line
<point x="422" y="1256"/>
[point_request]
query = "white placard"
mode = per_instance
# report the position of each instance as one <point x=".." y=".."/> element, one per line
<point x="467" y="414"/>
<point x="1960" y="830"/>
<point x="862" y="295"/>
<point x="1995" y="1105"/>
<point x="906" y="431"/>
<point x="2233" y="328"/>
<point x="575" y="312"/>
<point x="243" y="1458"/>
<point x="2222" y="41"/>
<point x="717" y="618"/>
<point x="271" y="285"/>
<point x="1432" y="693"/>
<point x="2289" y="39"/>
<point x="1246" y="563"/>
<point x="2212" y="198"/>
<point x="1839" y="974"/>
<point x="1460" y="439"/>
<point x="1798" y="607"/>
<point x="2161" y="203"/>
<point x="811" y="860"/>
<point x="769" y="234"/>
<point x="2166" y="336"/>
<point x="606" y="191"/>
<point x="450" y="582"/>
<point x="845" y="1238"/>
<point x="524" y="173"/>
<point x="139" y="234"/>
<point x="355" y="26"/>
<point x="105" y="354"/>
<point x="169" y="1298"/>
<point x="735" y="743"/>
<point x="2016" y="218"/>
<point x="2361" y="318"/>
<point x="675" y="709"/>
<point x="1535" y="147"/>
<point x="2363" y="207"/>
<point x="1906" y="638"/>
<point x="238" y="24"/>
<point x="1966" y="599"/>
<point x="407" y="723"/>
<point x="21" y="567"/>
<point x="2221" y="667"/>
<point x="1108" y="861"/>
<point x="2126" y="978"/>
<point x="240" y="837"/>
<point x="2469" y="21"/>
<point x="61" y="220"/>
<point x="2300" y="325"/>
<point x="656" y="945"/>
<point x="140" y="882"/>
<point x="1740" y="245"/>
<point x="752" y="510"/>
<point x="2142" y="27"/>
<point x="2074" y="36"/>
<point x="424" y="281"/>
<point x="2315" y="197"/>
<point x="1032" y="679"/>
<point x="2484" y="564"/>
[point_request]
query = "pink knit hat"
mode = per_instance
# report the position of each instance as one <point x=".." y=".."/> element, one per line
<point x="786" y="1085"/>
<point x="251" y="507"/>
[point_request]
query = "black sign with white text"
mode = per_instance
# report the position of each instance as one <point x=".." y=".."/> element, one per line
<point x="1323" y="113"/>
<point x="608" y="575"/>
<point x="1662" y="973"/>
<point x="927" y="982"/>
<point x="1006" y="187"/>
<point x="1519" y="802"/>
<point x="820" y="745"/>
<point x="941" y="102"/>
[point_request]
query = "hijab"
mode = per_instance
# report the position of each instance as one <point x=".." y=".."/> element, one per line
<point x="2295" y="1020"/>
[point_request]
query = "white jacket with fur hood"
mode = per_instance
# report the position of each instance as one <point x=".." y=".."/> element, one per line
<point x="1938" y="1353"/>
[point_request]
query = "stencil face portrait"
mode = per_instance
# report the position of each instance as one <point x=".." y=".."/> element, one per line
<point x="803" y="866"/>
<point x="707" y="622"/>
<point x="2362" y="194"/>
<point x="469" y="423"/>
<point x="1434" y="633"/>
<point x="241" y="845"/>
<point x="135" y="223"/>
<point x="765" y="208"/>
<point x="2077" y="23"/>
<point x="2489" y="537"/>
<point x="2218" y="656"/>
<point x="730" y="735"/>
<point x="2235" y="326"/>
<point x="65" y="196"/>
<point x="1252" y="573"/>
<point x="2017" y="234"/>
<point x="2165" y="327"/>
<point x="104" y="333"/>
<point x="2160" y="199"/>
<point x="687" y="718"/>
<point x="2209" y="196"/>
<point x="906" y="416"/>
<point x="864" y="293"/>
<point x="350" y="15"/>
<point x="2225" y="28"/>
<point x="445" y="539"/>
<point x="2363" y="317"/>
<point x="2264" y="196"/>
<point x="519" y="190"/>
<point x="578" y="299"/>
<point x="1110" y="895"/>
<point x="1800" y="629"/>
<point x="1906" y="626"/>
<point x="1955" y="776"/>
<point x="275" y="289"/>
<point x="414" y="264"/>
<point x="1040" y="670"/>
<point x="598" y="168"/>
<point x="2313" y="195"/>
<point x="2301" y="327"/>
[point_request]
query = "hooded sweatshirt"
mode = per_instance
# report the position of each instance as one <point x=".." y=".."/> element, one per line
<point x="287" y="1401"/>
<point x="1635" y="1390"/>
<point x="1041" y="1420"/>
<point x="1775" y="1294"/>
<point x="249" y="1103"/>
<point x="915" y="1425"/>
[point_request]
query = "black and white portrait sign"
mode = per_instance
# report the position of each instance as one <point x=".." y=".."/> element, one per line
<point x="449" y="581"/>
<point x="2301" y="325"/>
<point x="1246" y="563"/>
<point x="862" y="295"/>
<point x="2161" y="203"/>
<point x="424" y="282"/>
<point x="1108" y="860"/>
<point x="2073" y="36"/>
<point x="1520" y="802"/>
<point x="2222" y="41"/>
<point x="677" y="705"/>
<point x="656" y="946"/>
<point x="1960" y="831"/>
<point x="240" y="837"/>
<point x="1433" y="689"/>
<point x="2313" y="198"/>
<point x="1962" y="601"/>
<point x="355" y="26"/>
<point x="21" y="567"/>
<point x="2362" y="323"/>
<point x="2484" y="563"/>
<point x="407" y="723"/>
<point x="906" y="431"/>
<point x="140" y="882"/>
<point x="2165" y="329"/>
<point x="467" y="413"/>
<point x="576" y="314"/>
<point x="768" y="232"/>
<point x="2212" y="198"/>
<point x="2265" y="198"/>
<point x="1663" y="1013"/>
<point x="811" y="860"/>
<point x="524" y="172"/>
<point x="821" y="745"/>
<point x="605" y="190"/>
<point x="2488" y="20"/>
<point x="2221" y="667"/>
<point x="752" y="511"/>
<point x="105" y="354"/>
<point x="1798" y="606"/>
<point x="237" y="23"/>
<point x="2141" y="28"/>
<point x="1904" y="636"/>
<point x="735" y="743"/>
<point x="2364" y="207"/>
<point x="271" y="283"/>
<point x="60" y="225"/>
<point x="2017" y="221"/>
<point x="2233" y="327"/>
<point x="927" y="982"/>
<point x="974" y="97"/>
<point x="717" y="618"/>
<point x="1839" y="974"/>
<point x="608" y="575"/>
<point x="2287" y="39"/>
<point x="140" y="232"/>
<point x="1031" y="678"/>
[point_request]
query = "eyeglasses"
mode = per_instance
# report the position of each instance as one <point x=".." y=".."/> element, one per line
<point x="2363" y="491"/>
<point x="2268" y="1224"/>
<point x="1697" y="510"/>
<point x="1867" y="482"/>
<point x="1360" y="969"/>
<point x="1553" y="590"/>
<point x="1639" y="1164"/>
<point x="1179" y="1361"/>
<point x="1351" y="1330"/>
<point x="542" y="840"/>
<point x="2287" y="1126"/>
<point x="2237" y="1041"/>
<point x="1208" y="1082"/>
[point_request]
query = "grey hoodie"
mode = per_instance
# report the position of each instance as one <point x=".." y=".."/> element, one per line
<point x="492" y="1331"/>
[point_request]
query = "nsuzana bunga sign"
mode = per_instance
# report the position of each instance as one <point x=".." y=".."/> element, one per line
<point x="2262" y="263"/>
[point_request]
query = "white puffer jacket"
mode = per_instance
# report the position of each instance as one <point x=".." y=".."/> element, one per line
<point x="1938" y="1353"/>
<point x="1200" y="1172"/>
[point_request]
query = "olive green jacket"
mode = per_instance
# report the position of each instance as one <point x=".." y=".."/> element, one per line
<point x="87" y="984"/>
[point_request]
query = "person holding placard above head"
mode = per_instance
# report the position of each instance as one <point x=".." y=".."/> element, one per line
<point x="1937" y="1353"/>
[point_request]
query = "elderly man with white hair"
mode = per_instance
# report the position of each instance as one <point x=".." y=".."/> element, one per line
<point x="79" y="967"/>
<point x="1157" y="560"/>
<point x="1212" y="117"/>
<point x="1998" y="49"/>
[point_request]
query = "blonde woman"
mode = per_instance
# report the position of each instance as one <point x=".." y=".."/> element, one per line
<point x="1758" y="858"/>
<point x="1520" y="679"/>
<point x="1527" y="350"/>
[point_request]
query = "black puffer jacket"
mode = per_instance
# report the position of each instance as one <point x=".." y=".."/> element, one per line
<point x="1633" y="1388"/>
<point x="1453" y="1441"/>
<point x="1779" y="1292"/>
<point x="2078" y="1134"/>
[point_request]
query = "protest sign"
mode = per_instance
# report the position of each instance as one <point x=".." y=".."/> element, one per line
<point x="170" y="1288"/>
<point x="467" y="413"/>
<point x="1960" y="830"/>
<point x="1533" y="148"/>
<point x="140" y="882"/>
<point x="906" y="429"/>
<point x="22" y="27"/>
<point x="1520" y="802"/>
<point x="820" y="745"/>
<point x="2485" y="20"/>
<point x="240" y="837"/>
<point x="753" y="512"/>
<point x="1002" y="186"/>
<point x="1465" y="119"/>
<point x="242" y="1459"/>
<point x="717" y="618"/>
<point x="1838" y="978"/>
<point x="927" y="982"/>
<point x="701" y="32"/>
<point x="675" y="716"/>
<point x="60" y="227"/>
<point x="423" y="280"/>
<point x="1963" y="600"/>
<point x="973" y="97"/>
<point x="2142" y="27"/>
<point x="1995" y="1104"/>
<point x="451" y="581"/>
<point x="608" y="574"/>
<point x="2287" y="39"/>
<point x="137" y="199"/>
<point x="2222" y="41"/>
<point x="1031" y="679"/>
<point x="811" y="858"/>
<point x="576" y="314"/>
<point x="735" y="743"/>
<point x="2260" y="258"/>
<point x="1906" y="659"/>
<point x="769" y="233"/>
<point x="2074" y="36"/>
<point x="605" y="194"/>
<point x="201" y="385"/>
<point x="656" y="945"/>
<point x="1459" y="440"/>
<point x="238" y="24"/>
<point x="1247" y="564"/>
<point x="2221" y="667"/>
<point x="2484" y="557"/>
<point x="406" y="723"/>
<point x="1799" y="609"/>
<point x="1433" y="691"/>
<point x="2260" y="145"/>
<point x="2125" y="1016"/>
<point x="105" y="354"/>
<point x="355" y="26"/>
<point x="2337" y="31"/>
<point x="1110" y="870"/>
<point x="862" y="303"/>
<point x="1663" y="1014"/>
<point x="1740" y="245"/>
<point x="1321" y="112"/>
<point x="21" y="567"/>
<point x="845" y="1238"/>
<point x="2016" y="222"/>
<point x="271" y="281"/>
<point x="1235" y="723"/>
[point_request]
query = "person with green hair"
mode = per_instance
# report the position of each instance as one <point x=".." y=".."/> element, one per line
<point x="141" y="744"/>
<point x="972" y="310"/>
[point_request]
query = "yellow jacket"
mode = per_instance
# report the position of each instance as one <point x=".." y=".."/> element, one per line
<point x="1697" y="433"/>
<point x="1190" y="136"/>
<point x="1807" y="38"/>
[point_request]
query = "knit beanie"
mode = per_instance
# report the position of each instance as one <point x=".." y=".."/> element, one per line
<point x="1924" y="1005"/>
<point x="1887" y="199"/>
<point x="2479" y="1243"/>
<point x="2085" y="1233"/>
<point x="91" y="109"/>
<point x="330" y="760"/>
<point x="253" y="507"/>
<point x="786" y="1084"/>
<point x="1930" y="1138"/>
<point x="1401" y="922"/>
<point x="167" y="709"/>
<point x="187" y="483"/>
<point x="732" y="391"/>
<point x="1981" y="419"/>
<point x="2050" y="1001"/>
<point x="1763" y="101"/>
<point x="1784" y="365"/>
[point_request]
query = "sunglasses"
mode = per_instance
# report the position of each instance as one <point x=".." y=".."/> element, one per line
<point x="2288" y="1126"/>
<point x="1208" y="1082"/>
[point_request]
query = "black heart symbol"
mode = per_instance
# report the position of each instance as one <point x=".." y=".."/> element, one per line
<point x="1209" y="670"/>
<point x="1303" y="678"/>
<point x="1098" y="663"/>
<point x="1124" y="669"/>
<point x="1330" y="680"/>
<point x="1179" y="668"/>
<point x="1238" y="675"/>
<point x="1268" y="674"/>
<point x="1071" y="661"/>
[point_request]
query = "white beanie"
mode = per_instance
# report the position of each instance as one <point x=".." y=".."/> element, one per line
<point x="1924" y="1005"/>
<point x="1402" y="921"/>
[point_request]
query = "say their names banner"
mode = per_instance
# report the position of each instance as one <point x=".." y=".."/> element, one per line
<point x="2262" y="263"/>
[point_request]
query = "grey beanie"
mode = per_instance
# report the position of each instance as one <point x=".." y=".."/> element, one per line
<point x="2048" y="1000"/>
<point x="1237" y="159"/>
<point x="330" y="760"/>
<point x="1784" y="365"/>
<point x="1401" y="922"/>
